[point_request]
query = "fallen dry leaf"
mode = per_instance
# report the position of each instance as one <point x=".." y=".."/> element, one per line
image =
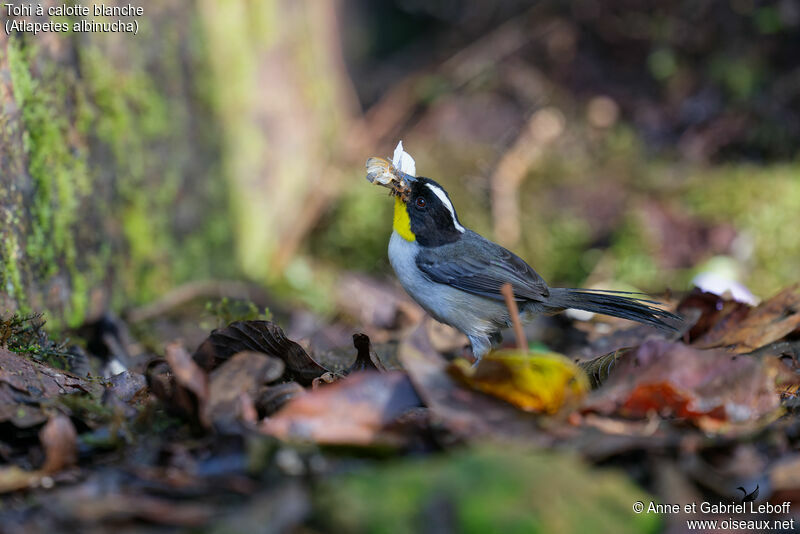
<point x="353" y="411"/>
<point x="463" y="412"/>
<point x="768" y="322"/>
<point x="36" y="379"/>
<point x="186" y="371"/>
<point x="258" y="336"/>
<point x="25" y="383"/>
<point x="366" y="358"/>
<point x="708" y="310"/>
<point x="273" y="397"/>
<point x="185" y="390"/>
<point x="534" y="382"/>
<point x="325" y="378"/>
<point x="243" y="373"/>
<point x="60" y="441"/>
<point x="16" y="407"/>
<point x="707" y="386"/>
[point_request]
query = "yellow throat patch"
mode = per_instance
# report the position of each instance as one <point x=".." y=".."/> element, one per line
<point x="402" y="224"/>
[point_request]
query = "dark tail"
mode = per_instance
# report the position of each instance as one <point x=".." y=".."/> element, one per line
<point x="616" y="304"/>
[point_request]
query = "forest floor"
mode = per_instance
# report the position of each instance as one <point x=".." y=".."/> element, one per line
<point x="377" y="420"/>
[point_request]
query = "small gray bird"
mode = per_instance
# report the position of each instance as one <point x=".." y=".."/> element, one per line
<point x="456" y="275"/>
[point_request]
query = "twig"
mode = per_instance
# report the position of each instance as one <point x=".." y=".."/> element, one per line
<point x="519" y="333"/>
<point x="189" y="291"/>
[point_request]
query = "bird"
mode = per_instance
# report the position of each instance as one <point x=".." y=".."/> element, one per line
<point x="456" y="275"/>
<point x="748" y="497"/>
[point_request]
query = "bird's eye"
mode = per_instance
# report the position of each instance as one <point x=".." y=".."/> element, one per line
<point x="420" y="202"/>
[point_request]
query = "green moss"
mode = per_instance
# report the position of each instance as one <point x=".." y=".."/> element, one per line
<point x="130" y="117"/>
<point x="137" y="120"/>
<point x="357" y="230"/>
<point x="485" y="490"/>
<point x="56" y="167"/>
<point x="12" y="280"/>
<point x="109" y="152"/>
<point x="762" y="203"/>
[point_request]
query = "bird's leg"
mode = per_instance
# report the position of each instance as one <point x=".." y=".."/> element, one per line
<point x="481" y="345"/>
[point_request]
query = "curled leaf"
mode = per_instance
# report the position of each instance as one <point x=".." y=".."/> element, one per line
<point x="258" y="336"/>
<point x="599" y="369"/>
<point x="242" y="374"/>
<point x="538" y="382"/>
<point x="707" y="386"/>
<point x="356" y="410"/>
<point x="749" y="329"/>
<point x="366" y="358"/>
<point x="60" y="441"/>
<point x="272" y="398"/>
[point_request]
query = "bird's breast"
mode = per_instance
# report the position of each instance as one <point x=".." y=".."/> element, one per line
<point x="468" y="313"/>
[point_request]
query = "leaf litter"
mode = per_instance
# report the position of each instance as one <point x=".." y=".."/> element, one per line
<point x="250" y="410"/>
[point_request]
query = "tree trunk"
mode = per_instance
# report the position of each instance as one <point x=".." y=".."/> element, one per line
<point x="198" y="148"/>
<point x="111" y="188"/>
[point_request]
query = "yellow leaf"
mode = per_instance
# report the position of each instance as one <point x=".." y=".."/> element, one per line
<point x="534" y="382"/>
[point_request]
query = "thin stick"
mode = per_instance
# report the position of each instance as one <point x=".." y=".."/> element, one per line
<point x="511" y="304"/>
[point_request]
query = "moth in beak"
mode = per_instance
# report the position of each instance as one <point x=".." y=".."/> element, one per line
<point x="396" y="174"/>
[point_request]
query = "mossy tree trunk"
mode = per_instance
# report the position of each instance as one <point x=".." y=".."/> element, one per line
<point x="111" y="189"/>
<point x="204" y="146"/>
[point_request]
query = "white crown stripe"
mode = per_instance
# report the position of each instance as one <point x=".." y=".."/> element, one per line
<point x="447" y="204"/>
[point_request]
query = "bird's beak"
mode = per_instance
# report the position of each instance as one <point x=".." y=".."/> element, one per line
<point x="380" y="171"/>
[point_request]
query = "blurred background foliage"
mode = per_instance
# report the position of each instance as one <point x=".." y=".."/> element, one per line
<point x="605" y="142"/>
<point x="624" y="143"/>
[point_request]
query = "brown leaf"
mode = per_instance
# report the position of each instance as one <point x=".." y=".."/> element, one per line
<point x="186" y="391"/>
<point x="243" y="373"/>
<point x="273" y="397"/>
<point x="24" y="383"/>
<point x="186" y="371"/>
<point x="126" y="385"/>
<point x="15" y="407"/>
<point x="366" y="358"/>
<point x="768" y="322"/>
<point x="36" y="379"/>
<point x="326" y="378"/>
<point x="709" y="310"/>
<point x="258" y="336"/>
<point x="707" y="386"/>
<point x="353" y="411"/>
<point x="60" y="441"/>
<point x="465" y="413"/>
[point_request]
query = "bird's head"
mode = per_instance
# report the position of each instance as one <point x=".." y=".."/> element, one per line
<point x="423" y="211"/>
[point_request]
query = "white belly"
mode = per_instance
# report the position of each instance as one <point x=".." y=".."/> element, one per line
<point x="471" y="314"/>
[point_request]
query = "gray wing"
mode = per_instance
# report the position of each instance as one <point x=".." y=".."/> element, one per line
<point x="478" y="266"/>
